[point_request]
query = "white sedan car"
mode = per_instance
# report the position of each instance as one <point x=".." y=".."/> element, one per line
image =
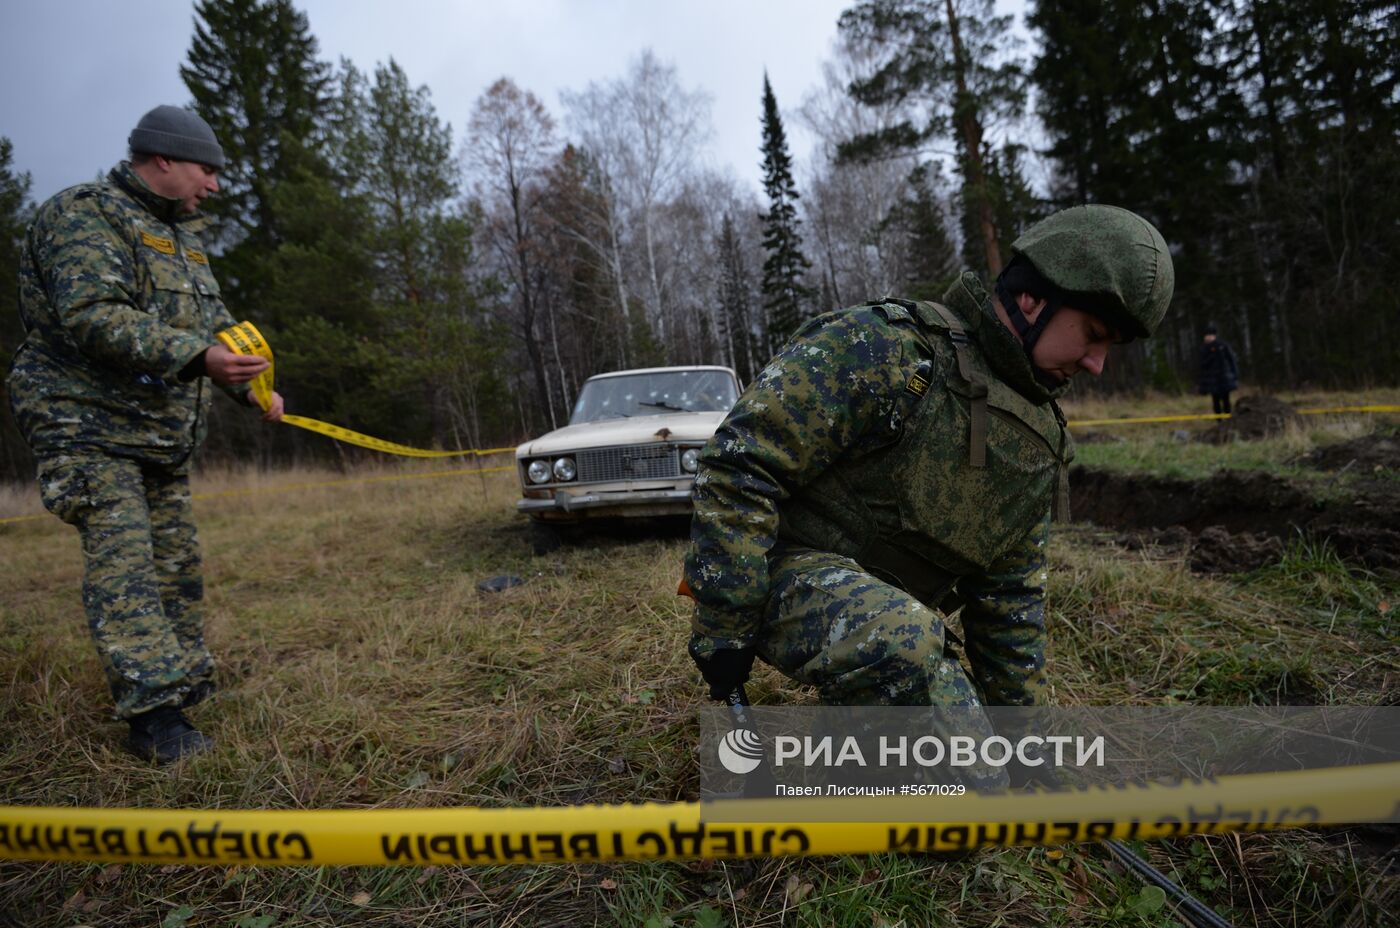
<point x="630" y="448"/>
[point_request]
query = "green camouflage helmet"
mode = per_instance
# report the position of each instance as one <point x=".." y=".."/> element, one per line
<point x="1109" y="255"/>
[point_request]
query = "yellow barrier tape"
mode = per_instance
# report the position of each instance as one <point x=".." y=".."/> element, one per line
<point x="245" y="339"/>
<point x="726" y="828"/>
<point x="11" y="519"/>
<point x="1137" y="420"/>
<point x="1339" y="409"/>
<point x="379" y="444"/>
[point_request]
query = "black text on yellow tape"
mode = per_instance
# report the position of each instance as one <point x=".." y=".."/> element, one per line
<point x="245" y="339"/>
<point x="726" y="828"/>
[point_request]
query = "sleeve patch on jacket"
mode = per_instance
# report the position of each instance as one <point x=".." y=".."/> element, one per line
<point x="165" y="246"/>
<point x="919" y="380"/>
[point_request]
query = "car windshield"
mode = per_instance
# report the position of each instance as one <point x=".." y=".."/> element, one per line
<point x="655" y="394"/>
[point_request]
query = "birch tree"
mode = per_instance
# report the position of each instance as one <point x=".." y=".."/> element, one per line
<point x="510" y="146"/>
<point x="644" y="130"/>
<point x="849" y="201"/>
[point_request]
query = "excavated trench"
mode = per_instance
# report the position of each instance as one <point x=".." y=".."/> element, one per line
<point x="1239" y="520"/>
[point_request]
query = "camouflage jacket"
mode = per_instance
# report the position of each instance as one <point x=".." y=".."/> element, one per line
<point x="857" y="438"/>
<point x="116" y="297"/>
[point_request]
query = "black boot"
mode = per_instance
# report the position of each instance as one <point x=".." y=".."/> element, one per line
<point x="165" y="735"/>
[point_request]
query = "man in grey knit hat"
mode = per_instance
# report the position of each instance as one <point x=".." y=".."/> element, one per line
<point x="111" y="390"/>
<point x="174" y="151"/>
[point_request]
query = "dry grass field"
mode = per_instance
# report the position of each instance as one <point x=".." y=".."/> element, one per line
<point x="360" y="667"/>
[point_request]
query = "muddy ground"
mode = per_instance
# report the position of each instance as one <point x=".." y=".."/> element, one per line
<point x="1240" y="520"/>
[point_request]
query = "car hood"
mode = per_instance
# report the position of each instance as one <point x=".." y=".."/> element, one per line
<point x="679" y="426"/>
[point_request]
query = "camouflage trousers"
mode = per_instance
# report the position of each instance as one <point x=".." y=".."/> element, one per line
<point x="862" y="641"/>
<point x="142" y="584"/>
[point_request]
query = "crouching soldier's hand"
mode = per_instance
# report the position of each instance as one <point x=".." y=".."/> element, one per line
<point x="724" y="669"/>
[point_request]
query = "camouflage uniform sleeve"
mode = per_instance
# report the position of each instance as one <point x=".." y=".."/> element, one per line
<point x="1003" y="621"/>
<point x="830" y="385"/>
<point x="222" y="318"/>
<point x="90" y="278"/>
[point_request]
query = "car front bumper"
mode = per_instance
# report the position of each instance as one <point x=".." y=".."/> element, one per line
<point x="567" y="505"/>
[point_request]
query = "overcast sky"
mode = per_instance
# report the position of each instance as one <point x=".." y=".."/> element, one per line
<point x="76" y="75"/>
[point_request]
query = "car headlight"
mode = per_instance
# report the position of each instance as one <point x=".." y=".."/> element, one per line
<point x="538" y="471"/>
<point x="690" y="460"/>
<point x="565" y="470"/>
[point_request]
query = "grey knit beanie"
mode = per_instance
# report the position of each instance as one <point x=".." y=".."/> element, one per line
<point x="176" y="133"/>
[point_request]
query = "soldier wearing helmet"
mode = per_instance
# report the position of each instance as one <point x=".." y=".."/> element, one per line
<point x="898" y="460"/>
<point x="1099" y="261"/>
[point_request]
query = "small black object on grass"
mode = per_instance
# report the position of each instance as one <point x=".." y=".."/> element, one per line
<point x="497" y="584"/>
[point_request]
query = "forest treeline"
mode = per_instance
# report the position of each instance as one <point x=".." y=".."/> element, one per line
<point x="451" y="287"/>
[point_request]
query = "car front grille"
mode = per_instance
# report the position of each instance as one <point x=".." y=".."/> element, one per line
<point x="634" y="462"/>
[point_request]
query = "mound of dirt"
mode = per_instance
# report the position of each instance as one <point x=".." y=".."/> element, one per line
<point x="1172" y="540"/>
<point x="1216" y="551"/>
<point x="1367" y="454"/>
<point x="1254" y="417"/>
<point x="1248" y="507"/>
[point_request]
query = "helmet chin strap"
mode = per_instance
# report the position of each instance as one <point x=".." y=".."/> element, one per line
<point x="1030" y="332"/>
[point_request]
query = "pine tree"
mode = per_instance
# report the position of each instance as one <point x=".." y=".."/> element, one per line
<point x="1016" y="205"/>
<point x="931" y="257"/>
<point x="399" y="157"/>
<point x="398" y="154"/>
<point x="253" y="74"/>
<point x="579" y="226"/>
<point x="14" y="210"/>
<point x="949" y="65"/>
<point x="15" y="462"/>
<point x="1115" y="114"/>
<point x="322" y="281"/>
<point x="784" y="291"/>
<point x="735" y="323"/>
<point x="1139" y="108"/>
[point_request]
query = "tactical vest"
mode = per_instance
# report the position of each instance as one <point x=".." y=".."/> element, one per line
<point x="969" y="469"/>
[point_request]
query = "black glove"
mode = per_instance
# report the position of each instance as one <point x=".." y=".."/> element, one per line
<point x="725" y="670"/>
<point x="1027" y="776"/>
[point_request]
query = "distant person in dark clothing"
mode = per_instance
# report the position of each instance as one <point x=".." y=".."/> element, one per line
<point x="1220" y="370"/>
